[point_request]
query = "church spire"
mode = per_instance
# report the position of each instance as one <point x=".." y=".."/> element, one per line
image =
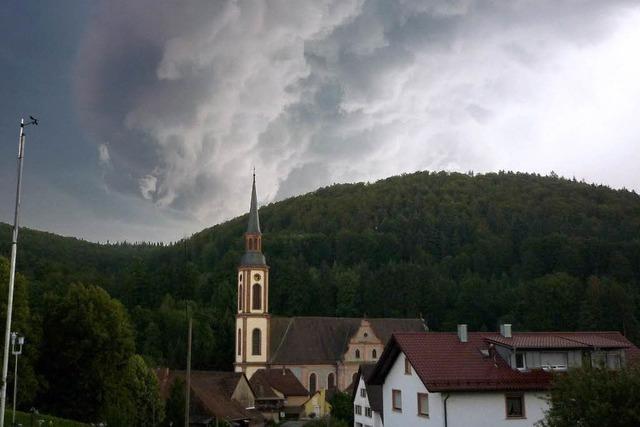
<point x="254" y="221"/>
<point x="253" y="237"/>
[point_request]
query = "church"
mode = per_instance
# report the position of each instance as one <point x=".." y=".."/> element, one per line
<point x="322" y="352"/>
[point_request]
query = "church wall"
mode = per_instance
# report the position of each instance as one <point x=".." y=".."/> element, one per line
<point x="303" y="372"/>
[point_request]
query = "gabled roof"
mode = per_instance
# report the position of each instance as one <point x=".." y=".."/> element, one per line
<point x="444" y="363"/>
<point x="324" y="340"/>
<point x="211" y="390"/>
<point x="282" y="380"/>
<point x="562" y="340"/>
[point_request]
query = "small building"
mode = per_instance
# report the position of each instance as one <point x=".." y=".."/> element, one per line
<point x="279" y="394"/>
<point x="483" y="379"/>
<point x="367" y="399"/>
<point x="215" y="397"/>
<point x="317" y="406"/>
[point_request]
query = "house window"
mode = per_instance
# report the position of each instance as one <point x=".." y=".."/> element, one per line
<point x="396" y="400"/>
<point x="313" y="387"/>
<point x="363" y="392"/>
<point x="614" y="361"/>
<point x="257" y="297"/>
<point x="423" y="404"/>
<point x="367" y="412"/>
<point x="358" y="410"/>
<point x="515" y="405"/>
<point x="240" y="298"/>
<point x="357" y="354"/>
<point x="358" y="424"/>
<point x="554" y="361"/>
<point x="374" y="353"/>
<point x="407" y="366"/>
<point x="256" y="342"/>
<point x="521" y="361"/>
<point x="331" y="381"/>
<point x="239" y="342"/>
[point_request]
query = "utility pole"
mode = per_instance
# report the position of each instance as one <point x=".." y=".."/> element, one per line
<point x="188" y="385"/>
<point x="12" y="273"/>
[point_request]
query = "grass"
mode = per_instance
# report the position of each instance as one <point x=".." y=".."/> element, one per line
<point x="40" y="420"/>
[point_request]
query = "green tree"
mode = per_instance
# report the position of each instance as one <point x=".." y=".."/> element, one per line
<point x="87" y="343"/>
<point x="135" y="401"/>
<point x="341" y="407"/>
<point x="22" y="323"/>
<point x="175" y="404"/>
<point x="593" y="397"/>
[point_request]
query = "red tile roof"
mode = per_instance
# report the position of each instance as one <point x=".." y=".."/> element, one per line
<point x="211" y="390"/>
<point x="567" y="340"/>
<point x="282" y="380"/>
<point x="443" y="363"/>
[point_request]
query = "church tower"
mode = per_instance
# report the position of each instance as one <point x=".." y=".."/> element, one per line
<point x="252" y="318"/>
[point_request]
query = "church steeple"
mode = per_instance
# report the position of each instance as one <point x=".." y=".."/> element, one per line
<point x="253" y="237"/>
<point x="254" y="221"/>
<point x="252" y="317"/>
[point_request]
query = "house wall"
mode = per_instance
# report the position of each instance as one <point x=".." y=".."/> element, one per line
<point x="476" y="409"/>
<point x="363" y="402"/>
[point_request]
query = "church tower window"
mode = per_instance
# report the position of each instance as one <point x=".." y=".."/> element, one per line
<point x="313" y="387"/>
<point x="240" y="297"/>
<point x="374" y="353"/>
<point x="239" y="342"/>
<point x="256" y="342"/>
<point x="357" y="354"/>
<point x="257" y="297"/>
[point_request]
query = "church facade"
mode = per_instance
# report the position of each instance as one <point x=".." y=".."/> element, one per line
<point x="322" y="352"/>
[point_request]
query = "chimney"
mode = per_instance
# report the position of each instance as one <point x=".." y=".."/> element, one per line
<point x="505" y="330"/>
<point x="462" y="333"/>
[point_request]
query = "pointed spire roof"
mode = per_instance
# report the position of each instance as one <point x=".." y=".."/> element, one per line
<point x="254" y="221"/>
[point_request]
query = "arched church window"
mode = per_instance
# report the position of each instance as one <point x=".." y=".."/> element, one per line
<point x="331" y="381"/>
<point x="313" y="387"/>
<point x="357" y="354"/>
<point x="239" y="342"/>
<point x="240" y="298"/>
<point x="374" y="353"/>
<point x="256" y="342"/>
<point x="257" y="297"/>
<point x="250" y="244"/>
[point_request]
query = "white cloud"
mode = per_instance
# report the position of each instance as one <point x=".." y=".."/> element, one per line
<point x="334" y="91"/>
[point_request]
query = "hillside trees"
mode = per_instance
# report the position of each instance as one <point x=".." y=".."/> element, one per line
<point x="539" y="252"/>
<point x="87" y="343"/>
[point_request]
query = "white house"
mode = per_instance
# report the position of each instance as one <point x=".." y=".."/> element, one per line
<point x="482" y="379"/>
<point x="367" y="399"/>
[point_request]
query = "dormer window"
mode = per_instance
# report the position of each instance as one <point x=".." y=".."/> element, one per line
<point x="521" y="361"/>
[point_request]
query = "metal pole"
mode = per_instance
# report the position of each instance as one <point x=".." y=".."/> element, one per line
<point x="15" y="390"/>
<point x="188" y="385"/>
<point x="12" y="273"/>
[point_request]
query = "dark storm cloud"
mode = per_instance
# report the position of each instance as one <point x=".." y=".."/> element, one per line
<point x="189" y="96"/>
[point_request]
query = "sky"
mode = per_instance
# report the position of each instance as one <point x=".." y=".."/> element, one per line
<point x="154" y="114"/>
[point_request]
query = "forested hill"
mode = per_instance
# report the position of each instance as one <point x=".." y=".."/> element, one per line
<point x="540" y="252"/>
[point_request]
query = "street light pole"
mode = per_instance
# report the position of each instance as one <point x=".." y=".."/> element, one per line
<point x="17" y="341"/>
<point x="12" y="272"/>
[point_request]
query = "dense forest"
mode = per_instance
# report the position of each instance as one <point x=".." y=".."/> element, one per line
<point x="544" y="253"/>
